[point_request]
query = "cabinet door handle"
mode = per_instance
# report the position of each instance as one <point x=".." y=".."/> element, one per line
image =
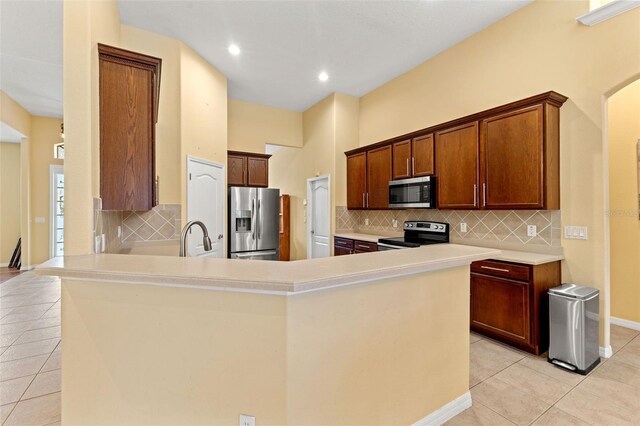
<point x="413" y="165"/>
<point x="484" y="194"/>
<point x="407" y="167"/>
<point x="157" y="190"/>
<point x="475" y="195"/>
<point x="363" y="205"/>
<point x="491" y="268"/>
<point x="367" y="199"/>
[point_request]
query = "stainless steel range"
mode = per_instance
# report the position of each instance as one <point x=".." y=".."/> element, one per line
<point x="416" y="234"/>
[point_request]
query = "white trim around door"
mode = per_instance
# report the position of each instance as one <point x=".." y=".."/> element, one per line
<point x="310" y="217"/>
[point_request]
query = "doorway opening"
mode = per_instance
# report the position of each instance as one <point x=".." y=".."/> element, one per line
<point x="623" y="219"/>
<point x="56" y="246"/>
<point x="318" y="217"/>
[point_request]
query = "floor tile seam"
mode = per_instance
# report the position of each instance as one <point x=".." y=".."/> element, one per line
<point x="526" y="393"/>
<point x="34" y="378"/>
<point x="10" y="412"/>
<point x="495" y="412"/>
<point x="599" y="396"/>
<point x="624" y="362"/>
<point x="37" y="396"/>
<point x="618" y="406"/>
<point x="553" y="378"/>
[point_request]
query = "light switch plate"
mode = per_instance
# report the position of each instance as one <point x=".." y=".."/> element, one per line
<point x="532" y="230"/>
<point x="394" y="223"/>
<point x="575" y="232"/>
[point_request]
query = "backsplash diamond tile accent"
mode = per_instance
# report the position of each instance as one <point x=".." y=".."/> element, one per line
<point x="507" y="228"/>
<point x="161" y="223"/>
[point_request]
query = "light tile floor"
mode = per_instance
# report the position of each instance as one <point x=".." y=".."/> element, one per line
<point x="30" y="350"/>
<point x="510" y="387"/>
<point x="507" y="386"/>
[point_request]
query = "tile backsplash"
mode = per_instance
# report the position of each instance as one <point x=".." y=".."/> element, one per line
<point x="163" y="222"/>
<point x="506" y="228"/>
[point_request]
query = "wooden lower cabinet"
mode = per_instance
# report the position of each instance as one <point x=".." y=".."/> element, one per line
<point x="342" y="246"/>
<point x="509" y="302"/>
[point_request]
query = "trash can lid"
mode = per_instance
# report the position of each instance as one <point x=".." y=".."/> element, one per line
<point x="573" y="290"/>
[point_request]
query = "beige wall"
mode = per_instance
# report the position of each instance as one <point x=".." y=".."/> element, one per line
<point x="538" y="48"/>
<point x="85" y="24"/>
<point x="251" y="126"/>
<point x="9" y="199"/>
<point x="623" y="135"/>
<point x="337" y="356"/>
<point x="329" y="129"/>
<point x="203" y="122"/>
<point x="14" y="115"/>
<point x="168" y="125"/>
<point x="45" y="132"/>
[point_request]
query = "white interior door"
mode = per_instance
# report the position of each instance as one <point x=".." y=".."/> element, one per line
<point x="206" y="200"/>
<point x="319" y="222"/>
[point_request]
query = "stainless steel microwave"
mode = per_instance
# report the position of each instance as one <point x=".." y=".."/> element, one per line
<point x="413" y="193"/>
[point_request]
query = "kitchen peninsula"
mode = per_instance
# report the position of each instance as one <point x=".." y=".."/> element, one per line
<point x="378" y="338"/>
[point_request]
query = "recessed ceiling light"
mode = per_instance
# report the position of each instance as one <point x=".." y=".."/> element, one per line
<point x="323" y="76"/>
<point x="234" y="49"/>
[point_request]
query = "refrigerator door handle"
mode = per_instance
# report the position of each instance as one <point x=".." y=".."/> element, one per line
<point x="253" y="217"/>
<point x="257" y="217"/>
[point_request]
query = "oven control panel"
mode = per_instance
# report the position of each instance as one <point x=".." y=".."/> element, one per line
<point x="426" y="226"/>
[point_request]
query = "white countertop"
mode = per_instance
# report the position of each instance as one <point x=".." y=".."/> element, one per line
<point x="528" y="258"/>
<point x="270" y="277"/>
<point x="373" y="238"/>
<point x="517" y="256"/>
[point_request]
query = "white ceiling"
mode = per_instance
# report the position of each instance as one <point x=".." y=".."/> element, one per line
<point x="285" y="44"/>
<point x="31" y="54"/>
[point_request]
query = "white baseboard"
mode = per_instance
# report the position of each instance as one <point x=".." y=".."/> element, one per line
<point x="606" y="352"/>
<point x="625" y="323"/>
<point x="27" y="268"/>
<point x="4" y="265"/>
<point x="447" y="411"/>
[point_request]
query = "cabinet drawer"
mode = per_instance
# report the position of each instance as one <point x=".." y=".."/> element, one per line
<point x="501" y="269"/>
<point x="343" y="242"/>
<point x="365" y="246"/>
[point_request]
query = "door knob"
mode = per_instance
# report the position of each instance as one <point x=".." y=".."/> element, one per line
<point x="220" y="236"/>
<point x="313" y="232"/>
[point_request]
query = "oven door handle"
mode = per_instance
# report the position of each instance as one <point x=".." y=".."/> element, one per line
<point x="391" y="246"/>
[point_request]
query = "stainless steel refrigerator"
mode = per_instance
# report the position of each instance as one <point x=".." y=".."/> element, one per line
<point x="254" y="223"/>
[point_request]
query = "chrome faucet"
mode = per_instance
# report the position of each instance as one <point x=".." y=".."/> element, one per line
<point x="206" y="241"/>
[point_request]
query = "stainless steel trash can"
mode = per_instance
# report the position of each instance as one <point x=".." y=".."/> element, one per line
<point x="573" y="327"/>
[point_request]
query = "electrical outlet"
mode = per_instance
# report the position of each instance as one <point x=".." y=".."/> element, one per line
<point x="104" y="243"/>
<point x="575" y="232"/>
<point x="97" y="244"/>
<point x="394" y="223"/>
<point x="366" y="222"/>
<point x="246" y="420"/>
<point x="119" y="231"/>
<point x="532" y="230"/>
<point x="463" y="227"/>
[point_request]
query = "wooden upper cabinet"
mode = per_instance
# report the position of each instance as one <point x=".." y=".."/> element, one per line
<point x="356" y="180"/>
<point x="413" y="157"/>
<point x="520" y="163"/>
<point x="378" y="177"/>
<point x="247" y="169"/>
<point x="237" y="166"/>
<point x="422" y="156"/>
<point x="129" y="86"/>
<point x="402" y="160"/>
<point x="457" y="164"/>
<point x="257" y="172"/>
